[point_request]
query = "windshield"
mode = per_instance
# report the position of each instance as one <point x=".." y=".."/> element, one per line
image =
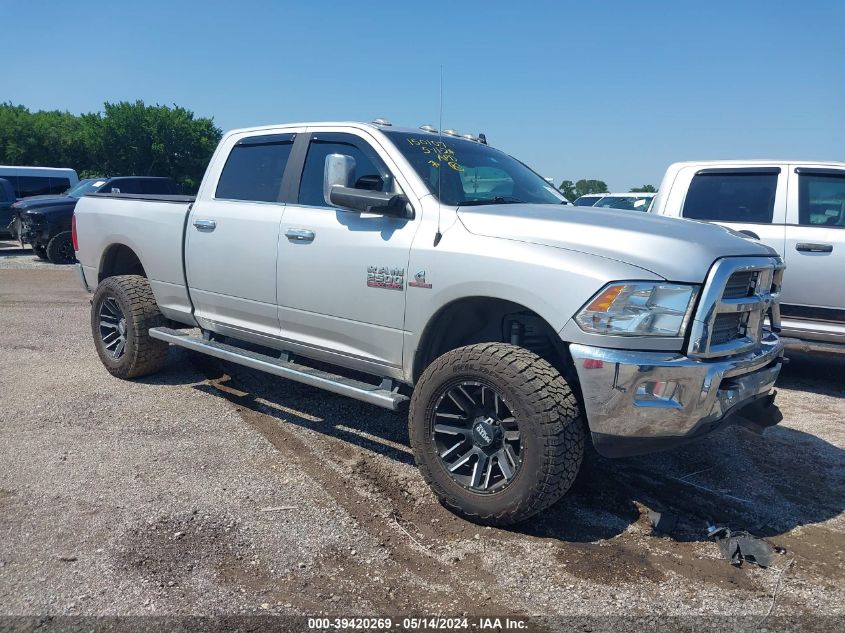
<point x="587" y="201"/>
<point x="631" y="203"/>
<point x="89" y="185"/>
<point x="473" y="173"/>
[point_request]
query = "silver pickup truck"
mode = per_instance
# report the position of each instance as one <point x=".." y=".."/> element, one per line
<point x="510" y="324"/>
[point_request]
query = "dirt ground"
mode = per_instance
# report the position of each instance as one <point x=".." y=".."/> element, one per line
<point x="204" y="490"/>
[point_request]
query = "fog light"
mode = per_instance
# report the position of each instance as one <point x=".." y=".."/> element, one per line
<point x="657" y="390"/>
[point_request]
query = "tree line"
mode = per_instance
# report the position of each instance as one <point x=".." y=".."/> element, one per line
<point x="135" y="139"/>
<point x="574" y="190"/>
<point x="125" y="139"/>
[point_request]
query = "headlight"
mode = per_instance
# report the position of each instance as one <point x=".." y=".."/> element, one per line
<point x="639" y="309"/>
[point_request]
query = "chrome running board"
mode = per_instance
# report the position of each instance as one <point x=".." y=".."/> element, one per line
<point x="372" y="394"/>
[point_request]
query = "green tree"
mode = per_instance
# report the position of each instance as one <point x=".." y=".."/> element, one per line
<point x="584" y="187"/>
<point x="573" y="191"/>
<point x="567" y="188"/>
<point x="125" y="139"/>
<point x="644" y="189"/>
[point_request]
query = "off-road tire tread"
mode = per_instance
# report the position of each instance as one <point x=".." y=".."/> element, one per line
<point x="146" y="355"/>
<point x="553" y="405"/>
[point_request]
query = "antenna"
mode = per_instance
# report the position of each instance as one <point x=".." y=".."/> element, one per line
<point x="438" y="236"/>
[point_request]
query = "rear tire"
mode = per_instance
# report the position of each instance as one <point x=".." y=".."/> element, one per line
<point x="122" y="312"/>
<point x="531" y="440"/>
<point x="60" y="249"/>
<point x="40" y="251"/>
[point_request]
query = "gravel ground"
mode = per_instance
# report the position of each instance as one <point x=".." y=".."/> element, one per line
<point x="210" y="490"/>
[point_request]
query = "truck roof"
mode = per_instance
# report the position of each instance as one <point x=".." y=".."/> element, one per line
<point x="757" y="161"/>
<point x="361" y="125"/>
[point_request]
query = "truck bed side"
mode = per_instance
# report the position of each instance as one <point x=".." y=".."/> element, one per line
<point x="111" y="228"/>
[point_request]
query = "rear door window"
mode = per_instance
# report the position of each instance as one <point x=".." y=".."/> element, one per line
<point x="741" y="196"/>
<point x="821" y="200"/>
<point x="255" y="168"/>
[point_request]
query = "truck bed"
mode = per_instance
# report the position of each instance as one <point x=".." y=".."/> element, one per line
<point x="150" y="226"/>
<point x="153" y="197"/>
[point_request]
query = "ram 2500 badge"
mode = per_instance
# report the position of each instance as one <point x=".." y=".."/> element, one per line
<point x="512" y="326"/>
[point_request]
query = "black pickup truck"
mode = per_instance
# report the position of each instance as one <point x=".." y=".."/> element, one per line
<point x="45" y="221"/>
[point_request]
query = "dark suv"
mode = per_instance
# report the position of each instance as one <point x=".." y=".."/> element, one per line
<point x="45" y="221"/>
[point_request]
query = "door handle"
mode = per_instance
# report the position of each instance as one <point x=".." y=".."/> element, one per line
<point x="300" y="235"/>
<point x="206" y="226"/>
<point x="808" y="247"/>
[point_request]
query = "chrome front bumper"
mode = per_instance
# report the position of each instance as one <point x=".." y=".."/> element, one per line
<point x="639" y="402"/>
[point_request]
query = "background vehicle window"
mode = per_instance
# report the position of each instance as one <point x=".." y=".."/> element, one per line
<point x="157" y="187"/>
<point x="3" y="196"/>
<point x="59" y="185"/>
<point x="587" y="201"/>
<point x="629" y="203"/>
<point x="821" y="200"/>
<point x="33" y="186"/>
<point x="122" y="185"/>
<point x="738" y="197"/>
<point x="254" y="172"/>
<point x="370" y="173"/>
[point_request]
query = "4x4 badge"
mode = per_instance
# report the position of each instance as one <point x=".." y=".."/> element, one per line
<point x="419" y="281"/>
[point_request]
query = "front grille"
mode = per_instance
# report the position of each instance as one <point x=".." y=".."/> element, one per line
<point x="740" y="293"/>
<point x="740" y="284"/>
<point x="726" y="328"/>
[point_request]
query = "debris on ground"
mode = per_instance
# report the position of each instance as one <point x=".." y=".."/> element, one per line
<point x="740" y="546"/>
<point x="663" y="522"/>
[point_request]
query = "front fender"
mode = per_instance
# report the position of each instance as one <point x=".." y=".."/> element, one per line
<point x="553" y="283"/>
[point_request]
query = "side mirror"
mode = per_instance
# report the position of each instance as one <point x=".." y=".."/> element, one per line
<point x="379" y="202"/>
<point x="338" y="172"/>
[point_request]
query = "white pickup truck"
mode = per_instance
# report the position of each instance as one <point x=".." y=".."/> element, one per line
<point x="795" y="207"/>
<point x="511" y="325"/>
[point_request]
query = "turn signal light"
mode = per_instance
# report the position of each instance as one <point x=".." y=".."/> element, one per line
<point x="603" y="302"/>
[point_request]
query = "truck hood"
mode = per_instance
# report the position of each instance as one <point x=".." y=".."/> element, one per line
<point x="673" y="248"/>
<point x="45" y="205"/>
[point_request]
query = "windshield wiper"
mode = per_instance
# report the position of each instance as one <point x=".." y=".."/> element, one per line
<point x="496" y="200"/>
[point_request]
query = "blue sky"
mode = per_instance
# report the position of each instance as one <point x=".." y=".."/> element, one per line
<point x="616" y="90"/>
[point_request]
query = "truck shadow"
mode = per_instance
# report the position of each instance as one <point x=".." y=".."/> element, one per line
<point x="767" y="485"/>
<point x="814" y="373"/>
<point x="9" y="249"/>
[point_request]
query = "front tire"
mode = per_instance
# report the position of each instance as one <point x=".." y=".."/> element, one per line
<point x="122" y="312"/>
<point x="60" y="249"/>
<point x="496" y="432"/>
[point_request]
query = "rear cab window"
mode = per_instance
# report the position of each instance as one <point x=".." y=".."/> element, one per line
<point x="744" y="195"/>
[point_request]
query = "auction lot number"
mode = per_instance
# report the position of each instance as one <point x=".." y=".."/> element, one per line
<point x="385" y="624"/>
